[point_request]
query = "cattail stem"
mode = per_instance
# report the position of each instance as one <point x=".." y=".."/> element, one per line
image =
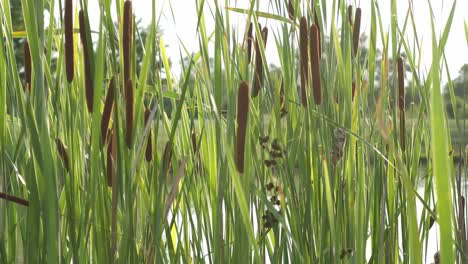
<point x="304" y="61"/>
<point x="402" y="130"/>
<point x="315" y="62"/>
<point x="242" y="114"/>
<point x="14" y="199"/>
<point x="63" y="154"/>
<point x="249" y="42"/>
<point x="89" y="85"/>
<point x="356" y="30"/>
<point x="27" y="66"/>
<point x="127" y="38"/>
<point x="69" y="53"/>
<point x="149" y="145"/>
<point x="108" y="107"/>
<point x="129" y="111"/>
<point x="401" y="84"/>
<point x="259" y="74"/>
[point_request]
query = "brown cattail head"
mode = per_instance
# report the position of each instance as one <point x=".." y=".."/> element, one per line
<point x="249" y="42"/>
<point x="304" y="62"/>
<point x="315" y="62"/>
<point x="149" y="145"/>
<point x="111" y="157"/>
<point x="127" y="38"/>
<point x="89" y="85"/>
<point x="194" y="142"/>
<point x="167" y="157"/>
<point x="350" y="15"/>
<point x="401" y="84"/>
<point x="319" y="34"/>
<point x="264" y="36"/>
<point x="259" y="75"/>
<point x="129" y="111"/>
<point x="290" y="10"/>
<point x="108" y="106"/>
<point x="356" y="30"/>
<point x="69" y="53"/>
<point x="242" y="114"/>
<point x="63" y="153"/>
<point x="14" y="199"/>
<point x="27" y="66"/>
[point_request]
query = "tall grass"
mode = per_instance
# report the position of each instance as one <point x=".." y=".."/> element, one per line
<point x="230" y="174"/>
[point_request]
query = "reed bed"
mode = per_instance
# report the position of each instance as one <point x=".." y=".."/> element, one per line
<point x="237" y="163"/>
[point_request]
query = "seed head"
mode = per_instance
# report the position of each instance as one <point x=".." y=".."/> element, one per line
<point x="69" y="53"/>
<point x="129" y="111"/>
<point x="108" y="106"/>
<point x="304" y="62"/>
<point x="242" y="114"/>
<point x="27" y="66"/>
<point x="315" y="62"/>
<point x="89" y="89"/>
<point x="127" y="38"/>
<point x="356" y="30"/>
<point x="149" y="145"/>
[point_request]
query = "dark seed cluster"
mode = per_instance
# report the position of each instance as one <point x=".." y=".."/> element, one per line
<point x="346" y="253"/>
<point x="274" y="149"/>
<point x="269" y="220"/>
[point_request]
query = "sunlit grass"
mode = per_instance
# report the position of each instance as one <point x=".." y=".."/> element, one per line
<point x="311" y="168"/>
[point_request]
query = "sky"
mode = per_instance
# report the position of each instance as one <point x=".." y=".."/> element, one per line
<point x="179" y="20"/>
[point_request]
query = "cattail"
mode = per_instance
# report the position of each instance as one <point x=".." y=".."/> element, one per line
<point x="69" y="58"/>
<point x="304" y="62"/>
<point x="14" y="199"/>
<point x="249" y="42"/>
<point x="315" y="62"/>
<point x="350" y="15"/>
<point x="129" y="110"/>
<point x="127" y="38"/>
<point x="167" y="157"/>
<point x="63" y="153"/>
<point x="27" y="66"/>
<point x="401" y="84"/>
<point x="242" y="114"/>
<point x="89" y="89"/>
<point x="259" y="75"/>
<point x="290" y="10"/>
<point x="194" y="142"/>
<point x="149" y="146"/>
<point x="111" y="157"/>
<point x="356" y="30"/>
<point x="108" y="106"/>
<point x="319" y="35"/>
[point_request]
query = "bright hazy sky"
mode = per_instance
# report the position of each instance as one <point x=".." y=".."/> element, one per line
<point x="179" y="24"/>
